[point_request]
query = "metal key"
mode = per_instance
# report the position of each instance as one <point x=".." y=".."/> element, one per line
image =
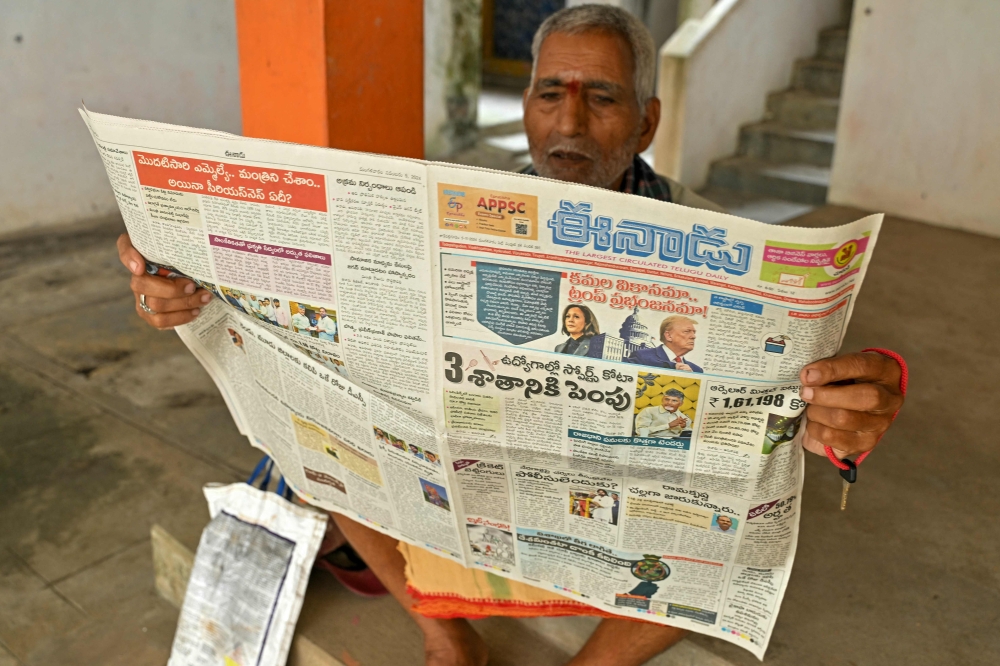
<point x="850" y="475"/>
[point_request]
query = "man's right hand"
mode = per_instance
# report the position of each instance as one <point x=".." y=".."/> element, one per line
<point x="175" y="302"/>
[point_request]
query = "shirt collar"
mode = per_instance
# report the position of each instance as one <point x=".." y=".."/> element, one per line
<point x="629" y="184"/>
<point x="670" y="354"/>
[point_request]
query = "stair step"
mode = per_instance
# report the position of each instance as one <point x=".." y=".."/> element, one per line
<point x="823" y="77"/>
<point x="833" y="43"/>
<point x="774" y="142"/>
<point x="801" y="183"/>
<point x="803" y="110"/>
<point x="753" y="207"/>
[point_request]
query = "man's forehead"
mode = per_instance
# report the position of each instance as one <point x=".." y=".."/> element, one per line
<point x="591" y="56"/>
<point x="577" y="78"/>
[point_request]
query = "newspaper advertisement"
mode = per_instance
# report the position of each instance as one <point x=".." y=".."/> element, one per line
<point x="587" y="391"/>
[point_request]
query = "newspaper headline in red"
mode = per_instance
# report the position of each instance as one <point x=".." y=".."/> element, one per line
<point x="278" y="187"/>
<point x="818" y="315"/>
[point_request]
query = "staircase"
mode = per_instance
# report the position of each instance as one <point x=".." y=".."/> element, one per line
<point x="782" y="167"/>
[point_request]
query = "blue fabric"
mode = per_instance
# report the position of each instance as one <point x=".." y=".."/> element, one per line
<point x="266" y="466"/>
<point x="658" y="358"/>
<point x="258" y="469"/>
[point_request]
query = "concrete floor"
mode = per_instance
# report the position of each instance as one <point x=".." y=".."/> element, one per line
<point x="107" y="426"/>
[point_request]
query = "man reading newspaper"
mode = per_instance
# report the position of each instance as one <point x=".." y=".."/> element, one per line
<point x="589" y="113"/>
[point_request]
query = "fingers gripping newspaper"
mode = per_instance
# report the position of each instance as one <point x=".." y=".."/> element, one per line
<point x="588" y="391"/>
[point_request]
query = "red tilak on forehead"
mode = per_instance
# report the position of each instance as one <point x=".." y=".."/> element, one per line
<point x="573" y="87"/>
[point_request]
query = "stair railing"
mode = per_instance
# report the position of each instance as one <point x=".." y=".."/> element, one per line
<point x="716" y="71"/>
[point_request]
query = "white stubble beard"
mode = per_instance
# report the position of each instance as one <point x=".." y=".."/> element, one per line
<point x="603" y="173"/>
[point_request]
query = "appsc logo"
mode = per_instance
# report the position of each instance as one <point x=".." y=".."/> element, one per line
<point x="482" y="211"/>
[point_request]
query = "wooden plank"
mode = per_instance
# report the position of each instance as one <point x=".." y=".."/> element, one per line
<point x="172" y="563"/>
<point x="306" y="653"/>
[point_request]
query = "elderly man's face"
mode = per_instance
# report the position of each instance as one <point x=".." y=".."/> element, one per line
<point x="724" y="523"/>
<point x="581" y="115"/>
<point x="671" y="403"/>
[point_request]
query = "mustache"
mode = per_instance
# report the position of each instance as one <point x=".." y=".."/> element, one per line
<point x="584" y="148"/>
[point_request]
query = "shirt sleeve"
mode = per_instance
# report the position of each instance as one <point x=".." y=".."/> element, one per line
<point x="643" y="419"/>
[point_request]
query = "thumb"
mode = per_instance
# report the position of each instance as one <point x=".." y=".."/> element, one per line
<point x="129" y="256"/>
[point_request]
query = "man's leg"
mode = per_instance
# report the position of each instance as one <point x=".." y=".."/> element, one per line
<point x="626" y="643"/>
<point x="446" y="642"/>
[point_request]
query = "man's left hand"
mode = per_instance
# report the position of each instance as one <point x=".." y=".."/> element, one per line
<point x="852" y="400"/>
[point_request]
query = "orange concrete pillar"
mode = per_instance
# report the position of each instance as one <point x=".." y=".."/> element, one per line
<point x="282" y="54"/>
<point x="375" y="75"/>
<point x="333" y="73"/>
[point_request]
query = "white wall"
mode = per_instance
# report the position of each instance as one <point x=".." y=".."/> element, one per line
<point x="919" y="127"/>
<point x="715" y="74"/>
<point x="168" y="60"/>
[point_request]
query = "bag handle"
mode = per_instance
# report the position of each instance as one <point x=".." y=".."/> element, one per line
<point x="266" y="466"/>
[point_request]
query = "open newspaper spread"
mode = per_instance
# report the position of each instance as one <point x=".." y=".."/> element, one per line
<point x="587" y="391"/>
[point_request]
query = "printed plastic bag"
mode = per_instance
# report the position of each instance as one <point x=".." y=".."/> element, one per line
<point x="249" y="577"/>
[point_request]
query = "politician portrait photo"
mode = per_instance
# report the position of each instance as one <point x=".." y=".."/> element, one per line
<point x="664" y="419"/>
<point x="677" y="336"/>
<point x="579" y="324"/>
<point x="665" y="406"/>
<point x="723" y="523"/>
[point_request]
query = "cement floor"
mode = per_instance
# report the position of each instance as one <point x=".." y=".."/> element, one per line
<point x="107" y="426"/>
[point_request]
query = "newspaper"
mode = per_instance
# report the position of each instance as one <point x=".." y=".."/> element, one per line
<point x="477" y="362"/>
<point x="248" y="580"/>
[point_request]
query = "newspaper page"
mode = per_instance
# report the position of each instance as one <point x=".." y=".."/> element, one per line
<point x="249" y="579"/>
<point x="587" y="391"/>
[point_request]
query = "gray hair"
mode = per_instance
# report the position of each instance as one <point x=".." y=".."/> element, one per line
<point x="583" y="18"/>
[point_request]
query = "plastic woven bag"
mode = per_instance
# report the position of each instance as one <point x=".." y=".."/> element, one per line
<point x="249" y="577"/>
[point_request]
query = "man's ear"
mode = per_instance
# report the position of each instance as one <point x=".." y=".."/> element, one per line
<point x="650" y="121"/>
